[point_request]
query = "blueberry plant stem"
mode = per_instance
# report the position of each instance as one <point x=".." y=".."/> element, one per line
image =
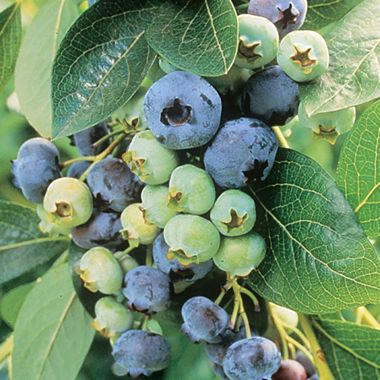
<point x="106" y="137"/>
<point x="77" y="159"/>
<point x="319" y="358"/>
<point x="148" y="258"/>
<point x="6" y="348"/>
<point x="280" y="137"/>
<point x="364" y="316"/>
<point x="281" y="331"/>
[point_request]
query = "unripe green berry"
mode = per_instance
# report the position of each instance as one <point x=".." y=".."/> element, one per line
<point x="339" y="122"/>
<point x="303" y="55"/>
<point x="191" y="190"/>
<point x="285" y="315"/>
<point x="234" y="213"/>
<point x="112" y="317"/>
<point x="240" y="255"/>
<point x="150" y="160"/>
<point x="136" y="228"/>
<point x="191" y="239"/>
<point x="67" y="204"/>
<point x="258" y="41"/>
<point x="155" y="201"/>
<point x="100" y="271"/>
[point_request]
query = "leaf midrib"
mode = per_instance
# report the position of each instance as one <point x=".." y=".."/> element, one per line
<point x="32" y="242"/>
<point x="9" y="19"/>
<point x="283" y="227"/>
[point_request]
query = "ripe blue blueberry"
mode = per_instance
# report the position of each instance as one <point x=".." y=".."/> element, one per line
<point x="113" y="184"/>
<point x="100" y="271"/>
<point x="151" y="161"/>
<point x="36" y="166"/>
<point x="303" y="55"/>
<point x="258" y="42"/>
<point x="183" y="110"/>
<point x="287" y="15"/>
<point x="84" y="140"/>
<point x="173" y="268"/>
<point x="67" y="204"/>
<point x="203" y="320"/>
<point x="155" y="205"/>
<point x="141" y="352"/>
<point x="191" y="239"/>
<point x="242" y="152"/>
<point x="191" y="190"/>
<point x="102" y="229"/>
<point x="111" y="318"/>
<point x="234" y="213"/>
<point x="147" y="289"/>
<point x="271" y="96"/>
<point x="290" y="370"/>
<point x="77" y="169"/>
<point x="252" y="358"/>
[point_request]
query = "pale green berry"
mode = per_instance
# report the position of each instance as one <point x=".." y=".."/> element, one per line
<point x="67" y="204"/>
<point x="234" y="213"/>
<point x="286" y="316"/>
<point x="155" y="201"/>
<point x="258" y="42"/>
<point x="191" y="239"/>
<point x="303" y="55"/>
<point x="240" y="255"/>
<point x="136" y="228"/>
<point x="112" y="318"/>
<point x="191" y="190"/>
<point x="339" y="122"/>
<point x="149" y="160"/>
<point x="100" y="271"/>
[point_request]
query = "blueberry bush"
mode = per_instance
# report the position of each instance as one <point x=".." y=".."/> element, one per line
<point x="190" y="189"/>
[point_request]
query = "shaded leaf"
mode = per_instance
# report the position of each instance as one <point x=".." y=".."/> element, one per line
<point x="35" y="62"/>
<point x="23" y="248"/>
<point x="352" y="351"/>
<point x="10" y="39"/>
<point x="353" y="75"/>
<point x="100" y="64"/>
<point x="53" y="333"/>
<point x="318" y="258"/>
<point x="196" y="35"/>
<point x="358" y="172"/>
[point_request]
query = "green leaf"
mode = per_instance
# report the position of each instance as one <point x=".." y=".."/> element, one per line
<point x="11" y="302"/>
<point x="323" y="12"/>
<point x="35" y="62"/>
<point x="353" y="76"/>
<point x="53" y="333"/>
<point x="318" y="258"/>
<point x="23" y="248"/>
<point x="351" y="351"/>
<point x="10" y="39"/>
<point x="196" y="35"/>
<point x="358" y="172"/>
<point x="100" y="64"/>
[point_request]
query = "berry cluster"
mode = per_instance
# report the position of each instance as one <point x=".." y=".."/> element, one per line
<point x="177" y="189"/>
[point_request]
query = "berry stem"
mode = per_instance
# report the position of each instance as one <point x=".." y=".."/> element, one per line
<point x="144" y="323"/>
<point x="295" y="343"/>
<point x="316" y="350"/>
<point x="252" y="297"/>
<point x="280" y="137"/>
<point x="104" y="154"/>
<point x="6" y="348"/>
<point x="363" y="316"/>
<point x="77" y="159"/>
<point x="299" y="334"/>
<point x="149" y="258"/>
<point x="107" y="136"/>
<point x="281" y="331"/>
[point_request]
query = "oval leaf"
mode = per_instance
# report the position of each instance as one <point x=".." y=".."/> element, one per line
<point x="53" y="333"/>
<point x="352" y="351"/>
<point x="358" y="172"/>
<point x="353" y="76"/>
<point x="23" y="248"/>
<point x="318" y="259"/>
<point x="10" y="39"/>
<point x="35" y="62"/>
<point x="196" y="35"/>
<point x="323" y="12"/>
<point x="100" y="64"/>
